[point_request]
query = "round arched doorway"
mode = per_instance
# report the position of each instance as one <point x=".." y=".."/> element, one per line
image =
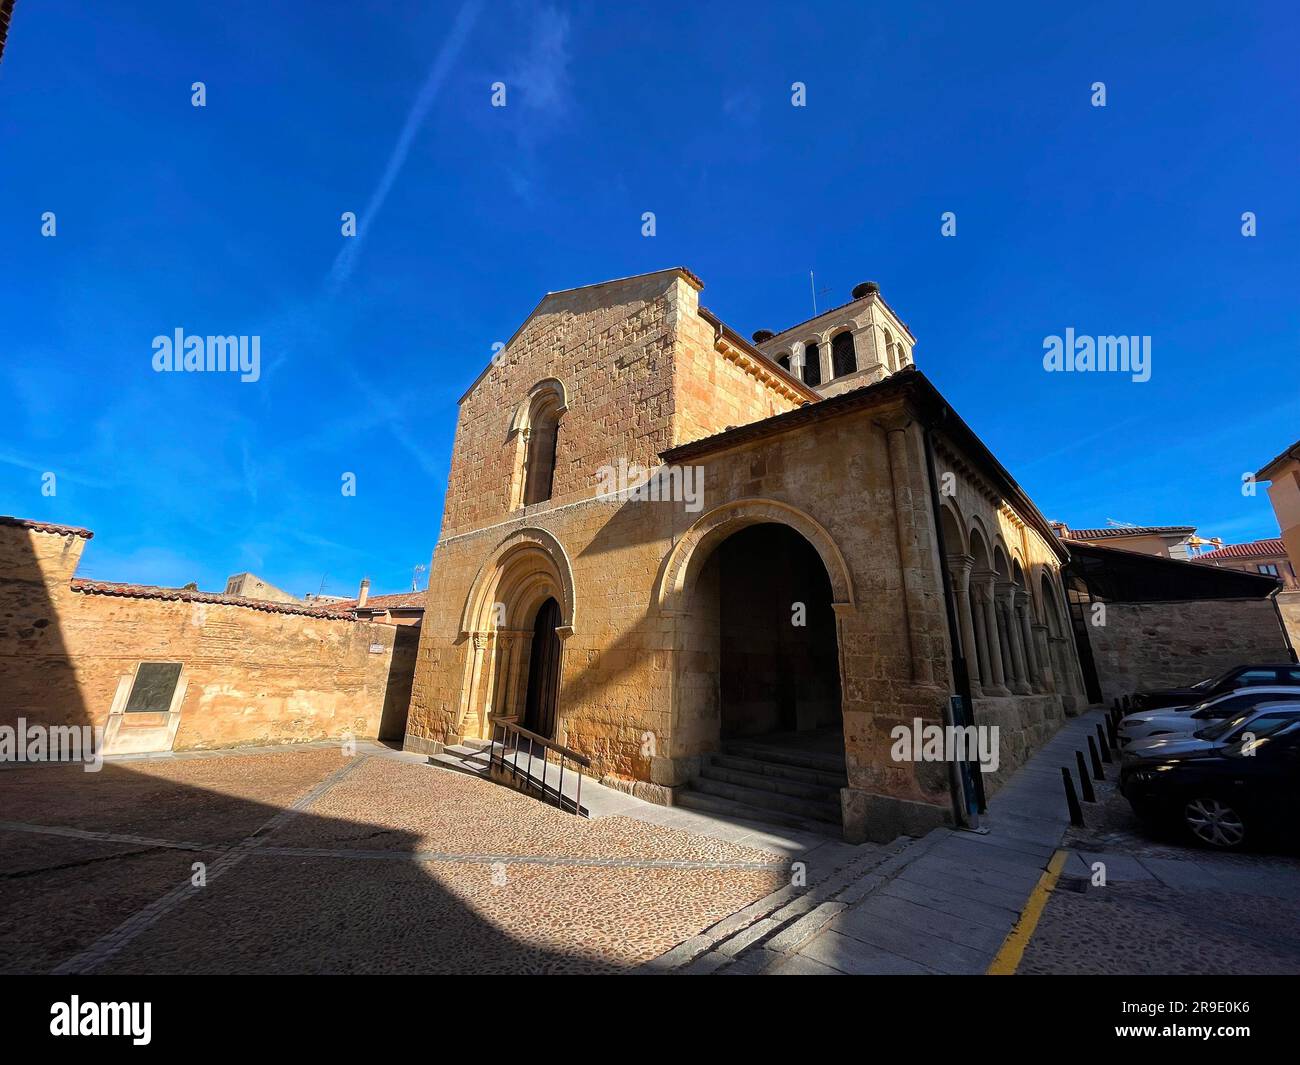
<point x="542" y="694"/>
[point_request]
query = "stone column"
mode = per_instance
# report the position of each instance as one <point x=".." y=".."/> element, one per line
<point x="988" y="580"/>
<point x="907" y="523"/>
<point x="1015" y="649"/>
<point x="828" y="365"/>
<point x="796" y="360"/>
<point x="959" y="566"/>
<point x="981" y="637"/>
<point x="1027" y="640"/>
<point x="1043" y="650"/>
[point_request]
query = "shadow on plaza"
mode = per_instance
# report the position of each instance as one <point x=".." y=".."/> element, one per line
<point x="268" y="913"/>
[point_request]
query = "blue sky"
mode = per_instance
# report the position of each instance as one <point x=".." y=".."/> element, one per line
<point x="225" y="219"/>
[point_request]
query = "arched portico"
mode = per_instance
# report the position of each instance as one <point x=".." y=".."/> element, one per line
<point x="754" y="594"/>
<point x="692" y="551"/>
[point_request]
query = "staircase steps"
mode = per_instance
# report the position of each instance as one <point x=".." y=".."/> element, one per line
<point x="787" y="786"/>
<point x="759" y="937"/>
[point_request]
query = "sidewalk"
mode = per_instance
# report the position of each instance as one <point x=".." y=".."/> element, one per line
<point x="942" y="904"/>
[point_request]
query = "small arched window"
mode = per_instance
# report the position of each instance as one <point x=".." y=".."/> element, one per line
<point x="812" y="364"/>
<point x="783" y="361"/>
<point x="844" y="359"/>
<point x="539" y="464"/>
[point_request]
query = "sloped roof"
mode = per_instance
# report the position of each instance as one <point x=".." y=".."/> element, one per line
<point x="45" y="526"/>
<point x="682" y="271"/>
<point x="1254" y="549"/>
<point x="395" y="601"/>
<point x="189" y="595"/>
<point x="1112" y="531"/>
<point x="909" y="383"/>
<point x="1293" y="452"/>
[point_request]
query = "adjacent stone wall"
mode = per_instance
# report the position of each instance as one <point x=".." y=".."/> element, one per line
<point x="1168" y="644"/>
<point x="1289" y="605"/>
<point x="254" y="675"/>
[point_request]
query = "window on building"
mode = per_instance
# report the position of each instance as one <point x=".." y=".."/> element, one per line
<point x="812" y="365"/>
<point x="153" y="687"/>
<point x="783" y="361"/>
<point x="844" y="359"/>
<point x="539" y="466"/>
<point x="1268" y="568"/>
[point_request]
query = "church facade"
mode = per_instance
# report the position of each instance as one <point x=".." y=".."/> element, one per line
<point x="822" y="548"/>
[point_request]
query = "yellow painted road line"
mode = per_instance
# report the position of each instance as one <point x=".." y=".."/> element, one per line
<point x="1013" y="947"/>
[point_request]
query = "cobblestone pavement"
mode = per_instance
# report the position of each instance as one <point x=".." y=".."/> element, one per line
<point x="1167" y="907"/>
<point x="317" y="863"/>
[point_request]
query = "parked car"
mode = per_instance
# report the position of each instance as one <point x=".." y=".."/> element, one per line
<point x="1233" y="783"/>
<point x="1184" y="720"/>
<point x="1284" y="675"/>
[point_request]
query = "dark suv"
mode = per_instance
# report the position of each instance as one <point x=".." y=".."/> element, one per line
<point x="1234" y="783"/>
<point x="1285" y="676"/>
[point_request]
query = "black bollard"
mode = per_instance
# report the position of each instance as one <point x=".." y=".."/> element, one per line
<point x="1084" y="783"/>
<point x="1105" y="747"/>
<point x="1112" y="733"/>
<point x="1072" y="800"/>
<point x="1097" y="772"/>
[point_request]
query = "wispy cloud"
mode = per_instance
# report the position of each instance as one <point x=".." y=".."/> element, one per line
<point x="424" y="100"/>
<point x="539" y="85"/>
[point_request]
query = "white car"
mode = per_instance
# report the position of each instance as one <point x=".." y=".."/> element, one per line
<point x="1184" y="720"/>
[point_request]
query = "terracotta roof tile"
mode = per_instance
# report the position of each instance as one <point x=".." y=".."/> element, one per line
<point x="395" y="601"/>
<point x="187" y="595"/>
<point x="1128" y="530"/>
<point x="45" y="526"/>
<point x="1253" y="549"/>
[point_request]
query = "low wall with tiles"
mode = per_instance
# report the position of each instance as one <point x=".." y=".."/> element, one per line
<point x="251" y="675"/>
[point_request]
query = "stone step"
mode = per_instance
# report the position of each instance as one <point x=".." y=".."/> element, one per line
<point x="774" y="755"/>
<point x="787" y="804"/>
<point x="717" y="806"/>
<point x="759" y="937"/>
<point x="776" y="769"/>
<point x="779" y="785"/>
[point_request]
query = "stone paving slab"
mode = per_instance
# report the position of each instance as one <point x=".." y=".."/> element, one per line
<point x="375" y="864"/>
<point x="948" y="906"/>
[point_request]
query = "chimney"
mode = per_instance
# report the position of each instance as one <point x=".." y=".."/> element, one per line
<point x="364" y="593"/>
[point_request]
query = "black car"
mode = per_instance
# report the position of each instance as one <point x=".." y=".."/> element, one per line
<point x="1233" y="783"/>
<point x="1285" y="675"/>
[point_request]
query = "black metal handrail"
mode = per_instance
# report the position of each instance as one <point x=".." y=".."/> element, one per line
<point x="513" y="736"/>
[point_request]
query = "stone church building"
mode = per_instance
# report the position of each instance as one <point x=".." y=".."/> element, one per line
<point x="825" y="551"/>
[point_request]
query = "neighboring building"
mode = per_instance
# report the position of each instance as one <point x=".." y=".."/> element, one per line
<point x="1282" y="475"/>
<point x="168" y="668"/>
<point x="400" y="608"/>
<point x="1165" y="541"/>
<point x="320" y="599"/>
<point x="804" y="596"/>
<point x="1265" y="557"/>
<point x="251" y="586"/>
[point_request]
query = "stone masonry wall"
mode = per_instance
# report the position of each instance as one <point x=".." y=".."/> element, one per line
<point x="1168" y="644"/>
<point x="253" y="676"/>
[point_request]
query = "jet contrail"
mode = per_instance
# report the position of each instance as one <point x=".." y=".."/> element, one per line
<point x="342" y="268"/>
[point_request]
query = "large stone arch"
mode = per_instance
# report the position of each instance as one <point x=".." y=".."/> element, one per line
<point x="688" y="555"/>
